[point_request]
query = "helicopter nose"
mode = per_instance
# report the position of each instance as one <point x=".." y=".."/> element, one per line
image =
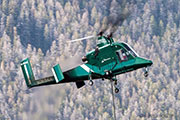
<point x="149" y="62"/>
<point x="143" y="62"/>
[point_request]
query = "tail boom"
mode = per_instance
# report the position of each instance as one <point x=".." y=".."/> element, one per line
<point x="30" y="79"/>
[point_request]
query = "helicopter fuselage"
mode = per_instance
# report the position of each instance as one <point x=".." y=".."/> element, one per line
<point x="107" y="60"/>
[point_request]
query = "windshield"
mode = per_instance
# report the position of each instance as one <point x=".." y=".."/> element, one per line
<point x="130" y="50"/>
<point x="121" y="55"/>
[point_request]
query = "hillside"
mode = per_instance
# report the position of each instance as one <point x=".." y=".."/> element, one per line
<point x="39" y="29"/>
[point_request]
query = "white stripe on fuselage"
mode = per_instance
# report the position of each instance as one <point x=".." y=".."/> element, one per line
<point x="86" y="68"/>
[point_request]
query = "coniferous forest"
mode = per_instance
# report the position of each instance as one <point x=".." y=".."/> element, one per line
<point x="40" y="29"/>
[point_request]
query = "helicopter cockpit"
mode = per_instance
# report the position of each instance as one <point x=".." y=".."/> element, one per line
<point x="129" y="50"/>
<point x="125" y="54"/>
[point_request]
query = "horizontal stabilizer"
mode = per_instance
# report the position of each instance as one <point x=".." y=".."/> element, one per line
<point x="57" y="72"/>
<point x="80" y="84"/>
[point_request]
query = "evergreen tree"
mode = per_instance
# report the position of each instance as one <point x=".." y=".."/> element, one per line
<point x="39" y="30"/>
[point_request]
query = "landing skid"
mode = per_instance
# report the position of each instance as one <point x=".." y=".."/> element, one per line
<point x="91" y="83"/>
<point x="115" y="84"/>
<point x="146" y="72"/>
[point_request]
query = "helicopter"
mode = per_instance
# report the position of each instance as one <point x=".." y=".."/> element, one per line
<point x="106" y="61"/>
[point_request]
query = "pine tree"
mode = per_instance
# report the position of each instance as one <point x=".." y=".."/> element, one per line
<point x="6" y="48"/>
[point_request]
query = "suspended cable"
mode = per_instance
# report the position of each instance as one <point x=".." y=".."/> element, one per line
<point x="112" y="91"/>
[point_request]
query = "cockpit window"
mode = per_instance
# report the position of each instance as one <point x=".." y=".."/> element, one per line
<point x="130" y="50"/>
<point x="122" y="56"/>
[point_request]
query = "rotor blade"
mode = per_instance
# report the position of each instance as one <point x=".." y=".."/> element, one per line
<point x="80" y="39"/>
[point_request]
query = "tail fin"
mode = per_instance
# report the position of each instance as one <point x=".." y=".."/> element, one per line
<point x="28" y="73"/>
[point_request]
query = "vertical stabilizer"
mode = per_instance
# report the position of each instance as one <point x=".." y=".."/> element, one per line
<point x="57" y="72"/>
<point x="27" y="72"/>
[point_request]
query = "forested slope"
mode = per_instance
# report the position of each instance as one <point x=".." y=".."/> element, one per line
<point x="39" y="29"/>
